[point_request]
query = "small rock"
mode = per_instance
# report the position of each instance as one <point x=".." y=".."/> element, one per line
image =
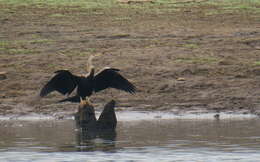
<point x="240" y="76"/>
<point x="135" y="1"/>
<point x="217" y="116"/>
<point x="181" y="79"/>
<point x="158" y="116"/>
<point x="225" y="62"/>
<point x="256" y="71"/>
<point x="187" y="72"/>
<point x="163" y="87"/>
<point x="3" y="76"/>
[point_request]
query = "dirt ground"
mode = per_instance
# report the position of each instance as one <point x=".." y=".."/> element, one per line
<point x="186" y="58"/>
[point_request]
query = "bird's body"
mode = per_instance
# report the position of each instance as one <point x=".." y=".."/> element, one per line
<point x="65" y="82"/>
<point x="85" y="86"/>
<point x="84" y="89"/>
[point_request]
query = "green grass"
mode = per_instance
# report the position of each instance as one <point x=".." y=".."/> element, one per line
<point x="191" y="45"/>
<point x="3" y="44"/>
<point x="235" y="5"/>
<point x="223" y="6"/>
<point x="57" y="15"/>
<point x="7" y="44"/>
<point x="40" y="41"/>
<point x="122" y="19"/>
<point x="81" y="3"/>
<point x="91" y="50"/>
<point x="20" y="51"/>
<point x="257" y="63"/>
<point x="8" y="47"/>
<point x="158" y="7"/>
<point x="214" y="7"/>
<point x="15" y="51"/>
<point x="197" y="60"/>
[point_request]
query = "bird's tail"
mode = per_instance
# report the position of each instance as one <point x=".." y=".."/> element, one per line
<point x="71" y="99"/>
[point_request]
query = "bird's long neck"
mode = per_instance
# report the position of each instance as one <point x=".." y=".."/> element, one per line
<point x="90" y="67"/>
<point x="91" y="71"/>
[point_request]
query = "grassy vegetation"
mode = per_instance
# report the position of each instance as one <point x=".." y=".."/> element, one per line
<point x="3" y="44"/>
<point x="16" y="47"/>
<point x="39" y="41"/>
<point x="122" y="18"/>
<point x="16" y="51"/>
<point x="6" y="44"/>
<point x="57" y="15"/>
<point x="159" y="6"/>
<point x="162" y="5"/>
<point x="257" y="63"/>
<point x="191" y="45"/>
<point x="235" y="5"/>
<point x="197" y="60"/>
<point x="82" y="3"/>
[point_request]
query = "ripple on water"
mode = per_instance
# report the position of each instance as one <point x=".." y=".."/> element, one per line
<point x="178" y="139"/>
<point x="146" y="154"/>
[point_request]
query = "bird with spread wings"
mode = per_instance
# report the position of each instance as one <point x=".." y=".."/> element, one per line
<point x="65" y="82"/>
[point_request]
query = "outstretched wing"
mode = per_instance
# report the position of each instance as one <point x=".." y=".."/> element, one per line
<point x="110" y="78"/>
<point x="71" y="99"/>
<point x="63" y="82"/>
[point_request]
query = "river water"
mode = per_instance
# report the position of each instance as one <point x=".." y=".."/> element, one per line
<point x="159" y="139"/>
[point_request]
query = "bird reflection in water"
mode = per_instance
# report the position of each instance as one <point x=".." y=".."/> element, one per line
<point x="93" y="134"/>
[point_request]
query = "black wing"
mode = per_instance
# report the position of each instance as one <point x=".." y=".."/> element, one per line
<point x="71" y="99"/>
<point x="63" y="82"/>
<point x="110" y="78"/>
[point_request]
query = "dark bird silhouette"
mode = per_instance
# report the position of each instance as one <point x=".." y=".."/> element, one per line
<point x="65" y="82"/>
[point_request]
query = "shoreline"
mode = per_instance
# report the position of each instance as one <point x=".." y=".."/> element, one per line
<point x="128" y="116"/>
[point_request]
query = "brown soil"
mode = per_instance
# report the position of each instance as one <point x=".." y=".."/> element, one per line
<point x="179" y="60"/>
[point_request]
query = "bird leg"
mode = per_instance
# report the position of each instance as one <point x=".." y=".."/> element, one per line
<point x="85" y="102"/>
<point x="82" y="102"/>
<point x="89" y="102"/>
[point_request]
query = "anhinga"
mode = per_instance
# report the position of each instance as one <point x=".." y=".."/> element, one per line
<point x="65" y="82"/>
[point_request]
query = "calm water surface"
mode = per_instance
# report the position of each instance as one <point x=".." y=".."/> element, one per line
<point x="150" y="140"/>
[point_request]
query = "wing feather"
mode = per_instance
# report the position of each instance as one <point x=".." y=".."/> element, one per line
<point x="64" y="82"/>
<point x="110" y="78"/>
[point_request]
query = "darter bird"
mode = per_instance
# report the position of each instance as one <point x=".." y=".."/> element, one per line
<point x="65" y="82"/>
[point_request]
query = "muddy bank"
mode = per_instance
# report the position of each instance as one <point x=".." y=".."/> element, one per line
<point x="194" y="57"/>
<point x="126" y="116"/>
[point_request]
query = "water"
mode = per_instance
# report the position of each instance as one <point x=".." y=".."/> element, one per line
<point x="136" y="140"/>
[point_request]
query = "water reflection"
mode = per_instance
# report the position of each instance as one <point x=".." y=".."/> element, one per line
<point x="95" y="140"/>
<point x="159" y="140"/>
<point x="93" y="134"/>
